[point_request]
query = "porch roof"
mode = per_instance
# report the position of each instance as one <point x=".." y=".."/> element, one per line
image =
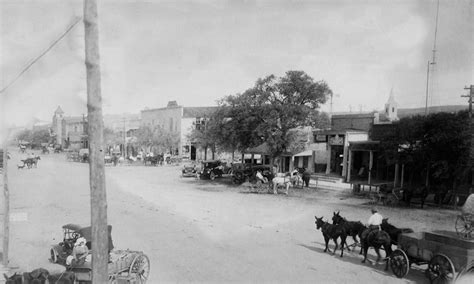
<point x="304" y="153"/>
<point x="364" y="145"/>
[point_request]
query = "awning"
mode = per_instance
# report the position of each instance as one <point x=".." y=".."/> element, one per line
<point x="305" y="153"/>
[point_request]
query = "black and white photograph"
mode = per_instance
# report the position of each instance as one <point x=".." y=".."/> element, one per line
<point x="236" y="141"/>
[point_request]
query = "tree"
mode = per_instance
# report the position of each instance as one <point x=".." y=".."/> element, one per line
<point x="157" y="137"/>
<point x="269" y="110"/>
<point x="433" y="147"/>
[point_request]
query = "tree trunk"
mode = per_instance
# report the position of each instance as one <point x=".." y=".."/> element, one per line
<point x="100" y="249"/>
<point x="205" y="153"/>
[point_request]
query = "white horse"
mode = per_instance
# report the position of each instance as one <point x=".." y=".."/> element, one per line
<point x="285" y="181"/>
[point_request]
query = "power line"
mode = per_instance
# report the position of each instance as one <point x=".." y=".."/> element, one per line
<point x="41" y="55"/>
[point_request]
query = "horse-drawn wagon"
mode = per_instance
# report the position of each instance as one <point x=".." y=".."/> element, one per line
<point x="449" y="258"/>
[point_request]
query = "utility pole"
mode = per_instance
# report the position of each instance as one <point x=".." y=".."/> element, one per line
<point x="124" y="139"/>
<point x="100" y="249"/>
<point x="6" y="193"/>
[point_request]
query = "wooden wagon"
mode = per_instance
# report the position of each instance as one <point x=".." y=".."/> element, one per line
<point x="125" y="266"/>
<point x="449" y="258"/>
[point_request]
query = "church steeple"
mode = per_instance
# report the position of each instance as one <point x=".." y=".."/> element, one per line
<point x="391" y="107"/>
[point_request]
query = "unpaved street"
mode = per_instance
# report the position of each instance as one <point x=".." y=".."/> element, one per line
<point x="199" y="231"/>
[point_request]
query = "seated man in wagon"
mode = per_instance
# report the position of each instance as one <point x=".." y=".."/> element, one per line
<point x="80" y="253"/>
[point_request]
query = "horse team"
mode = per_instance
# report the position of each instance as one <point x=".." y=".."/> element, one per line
<point x="31" y="162"/>
<point x="341" y="228"/>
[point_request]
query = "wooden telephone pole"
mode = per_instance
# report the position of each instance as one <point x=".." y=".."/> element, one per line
<point x="6" y="192"/>
<point x="100" y="247"/>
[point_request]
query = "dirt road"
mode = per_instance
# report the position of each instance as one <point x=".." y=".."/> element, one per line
<point x="199" y="231"/>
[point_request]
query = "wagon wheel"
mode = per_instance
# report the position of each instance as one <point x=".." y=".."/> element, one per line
<point x="212" y="176"/>
<point x="440" y="269"/>
<point x="464" y="227"/>
<point x="399" y="263"/>
<point x="466" y="274"/>
<point x="140" y="267"/>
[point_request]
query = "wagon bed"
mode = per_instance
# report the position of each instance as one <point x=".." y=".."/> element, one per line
<point x="124" y="266"/>
<point x="446" y="254"/>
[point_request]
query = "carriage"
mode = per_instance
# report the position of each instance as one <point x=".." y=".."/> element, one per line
<point x="125" y="266"/>
<point x="449" y="257"/>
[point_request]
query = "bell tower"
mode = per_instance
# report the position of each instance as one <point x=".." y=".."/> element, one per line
<point x="391" y="107"/>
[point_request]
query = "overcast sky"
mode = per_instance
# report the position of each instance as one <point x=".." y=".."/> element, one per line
<point x="196" y="52"/>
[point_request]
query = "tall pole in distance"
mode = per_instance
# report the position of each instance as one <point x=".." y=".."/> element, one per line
<point x="427" y="87"/>
<point x="100" y="248"/>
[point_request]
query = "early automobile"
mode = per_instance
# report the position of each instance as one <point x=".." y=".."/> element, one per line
<point x="124" y="266"/>
<point x="71" y="232"/>
<point x="211" y="169"/>
<point x="189" y="170"/>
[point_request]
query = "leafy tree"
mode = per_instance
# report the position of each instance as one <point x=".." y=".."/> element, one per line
<point x="269" y="110"/>
<point x="433" y="146"/>
<point x="157" y="137"/>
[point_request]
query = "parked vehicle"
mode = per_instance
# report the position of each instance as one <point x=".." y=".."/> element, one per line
<point x="189" y="170"/>
<point x="71" y="232"/>
<point x="247" y="172"/>
<point x="125" y="266"/>
<point x="211" y="169"/>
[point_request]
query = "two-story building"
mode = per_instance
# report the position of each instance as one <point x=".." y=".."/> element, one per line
<point x="344" y="151"/>
<point x="181" y="121"/>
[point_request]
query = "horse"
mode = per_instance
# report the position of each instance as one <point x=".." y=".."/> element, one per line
<point x="40" y="275"/>
<point x="353" y="228"/>
<point x="393" y="231"/>
<point x="377" y="239"/>
<point x="415" y="192"/>
<point x="333" y="232"/>
<point x="285" y="181"/>
<point x="34" y="161"/>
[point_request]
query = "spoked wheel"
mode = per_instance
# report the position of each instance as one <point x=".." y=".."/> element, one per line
<point x="399" y="263"/>
<point x="466" y="275"/>
<point x="212" y="176"/>
<point x="464" y="227"/>
<point x="440" y="269"/>
<point x="140" y="268"/>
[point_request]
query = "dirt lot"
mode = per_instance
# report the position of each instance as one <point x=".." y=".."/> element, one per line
<point x="200" y="231"/>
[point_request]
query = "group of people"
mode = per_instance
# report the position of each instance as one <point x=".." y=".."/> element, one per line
<point x="305" y="175"/>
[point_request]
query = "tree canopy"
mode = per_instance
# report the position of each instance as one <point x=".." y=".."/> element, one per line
<point x="268" y="111"/>
<point x="157" y="137"/>
<point x="437" y="143"/>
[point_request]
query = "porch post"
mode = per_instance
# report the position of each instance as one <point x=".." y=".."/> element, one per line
<point x="328" y="160"/>
<point x="371" y="162"/>
<point x="349" y="166"/>
<point x="395" y="179"/>
<point x="403" y="175"/>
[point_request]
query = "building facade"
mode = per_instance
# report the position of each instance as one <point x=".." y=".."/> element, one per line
<point x="179" y="121"/>
<point x="70" y="132"/>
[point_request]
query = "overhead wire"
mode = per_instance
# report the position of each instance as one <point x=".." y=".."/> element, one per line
<point x="28" y="66"/>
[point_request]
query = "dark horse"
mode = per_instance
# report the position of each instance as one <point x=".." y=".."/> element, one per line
<point x="377" y="239"/>
<point x="333" y="232"/>
<point x="41" y="275"/>
<point x="353" y="228"/>
<point x="415" y="193"/>
<point x="393" y="231"/>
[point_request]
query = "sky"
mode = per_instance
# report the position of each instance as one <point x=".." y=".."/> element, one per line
<point x="196" y="52"/>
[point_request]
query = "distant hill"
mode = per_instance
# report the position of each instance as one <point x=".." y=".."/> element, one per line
<point x="404" y="112"/>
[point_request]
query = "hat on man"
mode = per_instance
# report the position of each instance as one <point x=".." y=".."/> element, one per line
<point x="374" y="209"/>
